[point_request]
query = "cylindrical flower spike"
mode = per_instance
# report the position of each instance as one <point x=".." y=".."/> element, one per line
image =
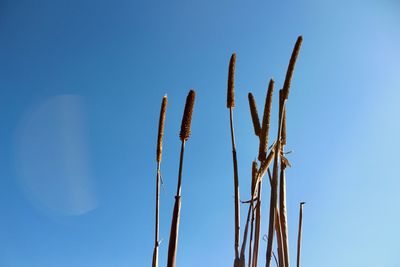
<point x="265" y="123"/>
<point x="290" y="70"/>
<point x="230" y="101"/>
<point x="254" y="114"/>
<point x="187" y="116"/>
<point x="161" y="127"/>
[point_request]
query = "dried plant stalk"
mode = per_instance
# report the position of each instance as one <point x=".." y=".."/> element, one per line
<point x="278" y="231"/>
<point x="282" y="185"/>
<point x="272" y="210"/>
<point x="265" y="123"/>
<point x="254" y="171"/>
<point x="290" y="70"/>
<point x="231" y="104"/>
<point x="245" y="234"/>
<point x="184" y="136"/>
<point x="254" y="114"/>
<point x="230" y="101"/>
<point x="274" y="190"/>
<point x="279" y="240"/>
<point x="158" y="178"/>
<point x="249" y="216"/>
<point x="257" y="225"/>
<point x="300" y="233"/>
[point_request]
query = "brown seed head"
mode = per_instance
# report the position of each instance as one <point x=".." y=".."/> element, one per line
<point x="161" y="127"/>
<point x="187" y="116"/>
<point x="292" y="63"/>
<point x="254" y="114"/>
<point x="265" y="122"/>
<point x="230" y="102"/>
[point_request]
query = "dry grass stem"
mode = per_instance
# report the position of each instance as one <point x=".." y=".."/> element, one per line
<point x="231" y="104"/>
<point x="158" y="179"/>
<point x="282" y="182"/>
<point x="300" y="233"/>
<point x="254" y="170"/>
<point x="257" y="225"/>
<point x="274" y="188"/>
<point x="245" y="234"/>
<point x="184" y="136"/>
<point x="279" y="240"/>
<point x="272" y="208"/>
<point x="278" y="231"/>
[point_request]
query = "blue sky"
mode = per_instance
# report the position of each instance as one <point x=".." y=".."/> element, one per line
<point x="81" y="84"/>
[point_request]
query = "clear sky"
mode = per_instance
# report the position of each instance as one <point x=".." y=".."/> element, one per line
<point x="81" y="84"/>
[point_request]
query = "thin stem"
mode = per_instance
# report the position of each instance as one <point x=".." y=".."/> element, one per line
<point x="158" y="177"/>
<point x="283" y="214"/>
<point x="272" y="207"/>
<point x="173" y="238"/>
<point x="274" y="191"/>
<point x="282" y="182"/>
<point x="299" y="234"/>
<point x="246" y="230"/>
<point x="156" y="230"/>
<point x="278" y="231"/>
<point x="236" y="186"/>
<point x="251" y="232"/>
<point x="257" y="226"/>
<point x="179" y="186"/>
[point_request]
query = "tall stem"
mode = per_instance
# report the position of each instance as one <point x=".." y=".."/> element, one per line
<point x="158" y="177"/>
<point x="236" y="186"/>
<point x="299" y="234"/>
<point x="278" y="231"/>
<point x="257" y="226"/>
<point x="272" y="207"/>
<point x="282" y="184"/>
<point x="156" y="230"/>
<point x="274" y="191"/>
<point x="251" y="233"/>
<point x="173" y="239"/>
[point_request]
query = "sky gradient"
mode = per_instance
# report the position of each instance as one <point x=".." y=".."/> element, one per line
<point x="81" y="83"/>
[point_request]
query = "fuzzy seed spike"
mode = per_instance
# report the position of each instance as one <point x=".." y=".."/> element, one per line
<point x="292" y="63"/>
<point x="265" y="122"/>
<point x="161" y="127"/>
<point x="187" y="116"/>
<point x="230" y="101"/>
<point x="254" y="114"/>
